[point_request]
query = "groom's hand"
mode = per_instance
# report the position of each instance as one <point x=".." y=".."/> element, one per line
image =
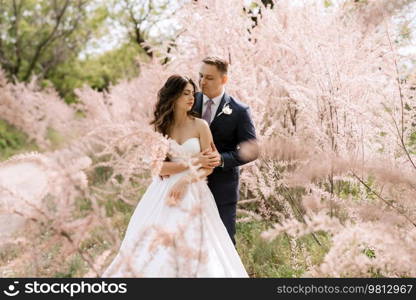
<point x="216" y="156"/>
<point x="209" y="159"/>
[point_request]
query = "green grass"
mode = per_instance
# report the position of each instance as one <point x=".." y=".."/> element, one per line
<point x="277" y="258"/>
<point x="74" y="268"/>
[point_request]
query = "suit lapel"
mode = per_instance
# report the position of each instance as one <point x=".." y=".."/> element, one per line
<point x="224" y="100"/>
<point x="198" y="104"/>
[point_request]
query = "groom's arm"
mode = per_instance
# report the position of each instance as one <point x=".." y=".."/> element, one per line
<point x="245" y="132"/>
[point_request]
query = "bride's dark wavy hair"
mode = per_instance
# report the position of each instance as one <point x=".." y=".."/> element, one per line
<point x="166" y="98"/>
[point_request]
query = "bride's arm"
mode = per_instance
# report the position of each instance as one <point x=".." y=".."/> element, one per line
<point x="170" y="168"/>
<point x="202" y="173"/>
<point x="207" y="145"/>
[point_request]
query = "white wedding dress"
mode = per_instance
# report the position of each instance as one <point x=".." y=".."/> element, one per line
<point x="186" y="240"/>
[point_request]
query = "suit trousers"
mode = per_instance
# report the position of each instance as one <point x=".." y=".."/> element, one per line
<point x="228" y="215"/>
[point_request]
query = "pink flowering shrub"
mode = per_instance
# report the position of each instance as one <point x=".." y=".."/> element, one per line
<point x="36" y="112"/>
<point x="334" y="115"/>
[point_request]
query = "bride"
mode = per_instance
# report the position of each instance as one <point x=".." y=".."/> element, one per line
<point x="176" y="230"/>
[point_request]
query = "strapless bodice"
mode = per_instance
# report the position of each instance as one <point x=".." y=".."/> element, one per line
<point x="185" y="150"/>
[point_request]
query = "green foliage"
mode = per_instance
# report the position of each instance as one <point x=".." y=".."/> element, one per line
<point x="74" y="268"/>
<point x="369" y="252"/>
<point x="406" y="31"/>
<point x="412" y="143"/>
<point x="49" y="40"/>
<point x="13" y="141"/>
<point x="42" y="39"/>
<point x="39" y="35"/>
<point x="55" y="138"/>
<point x="8" y="252"/>
<point x="83" y="207"/>
<point x="98" y="72"/>
<point x="117" y="206"/>
<point x="95" y="243"/>
<point x="10" y="137"/>
<point x="344" y="189"/>
<point x="361" y="1"/>
<point x="327" y="3"/>
<point x="277" y="258"/>
<point x="101" y="174"/>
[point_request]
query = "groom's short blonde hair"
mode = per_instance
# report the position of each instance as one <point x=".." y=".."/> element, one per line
<point x="221" y="64"/>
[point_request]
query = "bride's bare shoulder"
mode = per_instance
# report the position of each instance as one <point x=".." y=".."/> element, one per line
<point x="203" y="129"/>
<point x="201" y="124"/>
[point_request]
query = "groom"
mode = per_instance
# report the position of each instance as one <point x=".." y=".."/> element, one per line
<point x="230" y="124"/>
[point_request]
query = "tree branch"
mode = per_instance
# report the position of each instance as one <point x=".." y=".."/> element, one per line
<point x="45" y="42"/>
<point x="382" y="199"/>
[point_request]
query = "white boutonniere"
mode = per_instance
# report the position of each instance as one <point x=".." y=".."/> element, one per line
<point x="226" y="110"/>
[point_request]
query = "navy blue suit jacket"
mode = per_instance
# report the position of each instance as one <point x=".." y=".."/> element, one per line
<point x="228" y="131"/>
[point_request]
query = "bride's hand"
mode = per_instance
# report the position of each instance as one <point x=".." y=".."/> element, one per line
<point x="177" y="192"/>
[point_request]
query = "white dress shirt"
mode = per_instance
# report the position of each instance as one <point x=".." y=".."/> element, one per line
<point x="214" y="106"/>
